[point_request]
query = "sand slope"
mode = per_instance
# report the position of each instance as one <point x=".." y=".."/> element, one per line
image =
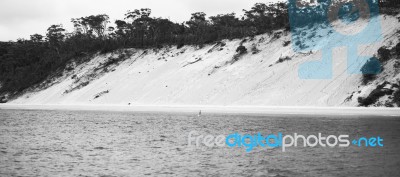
<point x="209" y="76"/>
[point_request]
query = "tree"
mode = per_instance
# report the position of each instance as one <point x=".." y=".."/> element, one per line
<point x="139" y="23"/>
<point x="122" y="27"/>
<point x="265" y="17"/>
<point x="55" y="35"/>
<point x="36" y="38"/>
<point x="161" y="31"/>
<point x="225" y="25"/>
<point x="90" y="24"/>
<point x="198" y="26"/>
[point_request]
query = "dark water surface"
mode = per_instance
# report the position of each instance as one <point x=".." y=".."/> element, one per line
<point x="84" y="143"/>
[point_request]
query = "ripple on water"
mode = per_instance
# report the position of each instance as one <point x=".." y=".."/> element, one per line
<point x="84" y="143"/>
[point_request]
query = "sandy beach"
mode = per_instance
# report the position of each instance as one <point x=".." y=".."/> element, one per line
<point x="267" y="110"/>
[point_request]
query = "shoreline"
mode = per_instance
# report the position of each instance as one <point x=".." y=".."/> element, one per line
<point x="219" y="109"/>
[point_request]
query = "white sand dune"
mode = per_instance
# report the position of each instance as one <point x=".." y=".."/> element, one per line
<point x="191" y="76"/>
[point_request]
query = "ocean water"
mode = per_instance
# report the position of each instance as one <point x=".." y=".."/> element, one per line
<point x="95" y="143"/>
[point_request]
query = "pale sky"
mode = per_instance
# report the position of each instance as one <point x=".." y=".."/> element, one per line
<point x="21" y="18"/>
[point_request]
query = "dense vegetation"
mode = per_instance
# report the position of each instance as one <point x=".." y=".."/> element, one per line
<point x="27" y="62"/>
